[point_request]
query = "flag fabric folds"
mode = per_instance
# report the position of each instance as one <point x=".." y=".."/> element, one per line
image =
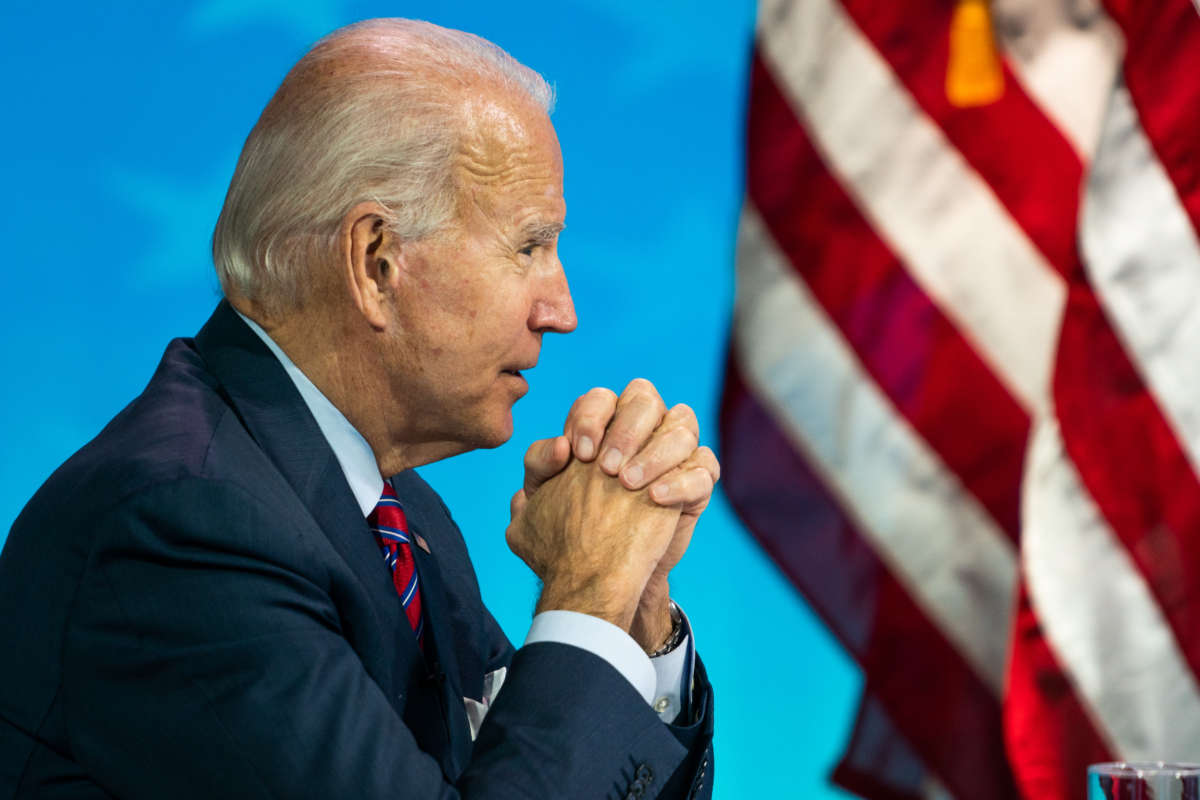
<point x="962" y="403"/>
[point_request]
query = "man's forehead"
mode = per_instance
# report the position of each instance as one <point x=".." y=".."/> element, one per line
<point x="503" y="133"/>
<point x="500" y="114"/>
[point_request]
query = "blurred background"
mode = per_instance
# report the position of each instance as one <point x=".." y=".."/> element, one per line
<point x="125" y="121"/>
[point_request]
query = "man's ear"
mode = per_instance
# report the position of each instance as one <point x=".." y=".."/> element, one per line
<point x="368" y="250"/>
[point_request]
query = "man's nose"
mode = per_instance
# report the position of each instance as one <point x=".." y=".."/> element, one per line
<point x="553" y="309"/>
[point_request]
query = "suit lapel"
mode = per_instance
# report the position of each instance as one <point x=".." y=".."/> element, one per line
<point x="275" y="415"/>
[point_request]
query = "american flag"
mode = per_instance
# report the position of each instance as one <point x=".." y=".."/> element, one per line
<point x="962" y="407"/>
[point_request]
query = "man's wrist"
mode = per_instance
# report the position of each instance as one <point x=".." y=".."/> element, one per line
<point x="586" y="600"/>
<point x="652" y="623"/>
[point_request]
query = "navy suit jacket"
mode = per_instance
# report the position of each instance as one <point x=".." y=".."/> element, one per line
<point x="193" y="606"/>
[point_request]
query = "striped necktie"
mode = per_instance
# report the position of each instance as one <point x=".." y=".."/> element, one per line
<point x="390" y="527"/>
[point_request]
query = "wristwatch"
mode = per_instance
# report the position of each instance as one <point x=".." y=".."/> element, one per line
<point x="676" y="636"/>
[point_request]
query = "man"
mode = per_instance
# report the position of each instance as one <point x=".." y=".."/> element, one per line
<point x="221" y="595"/>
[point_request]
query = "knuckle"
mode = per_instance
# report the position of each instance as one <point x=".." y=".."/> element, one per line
<point x="622" y="430"/>
<point x="695" y="484"/>
<point x="640" y="384"/>
<point x="683" y="413"/>
<point x="677" y="445"/>
<point x="708" y="459"/>
<point x="640" y="387"/>
<point x="620" y="438"/>
<point x="689" y="437"/>
<point x="600" y="394"/>
<point x="595" y="418"/>
<point x="590" y="411"/>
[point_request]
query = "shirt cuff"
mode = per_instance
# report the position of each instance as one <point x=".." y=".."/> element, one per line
<point x="673" y="670"/>
<point x="600" y="638"/>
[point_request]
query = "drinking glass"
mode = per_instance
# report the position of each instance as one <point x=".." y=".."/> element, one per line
<point x="1143" y="780"/>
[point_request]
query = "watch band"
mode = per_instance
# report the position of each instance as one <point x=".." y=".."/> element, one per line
<point x="676" y="636"/>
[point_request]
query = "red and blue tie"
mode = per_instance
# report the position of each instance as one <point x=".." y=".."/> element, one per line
<point x="390" y="527"/>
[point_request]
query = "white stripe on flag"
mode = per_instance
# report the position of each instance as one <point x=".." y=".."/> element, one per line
<point x="1099" y="616"/>
<point x="938" y="541"/>
<point x="1066" y="55"/>
<point x="933" y="790"/>
<point x="976" y="264"/>
<point x="1144" y="264"/>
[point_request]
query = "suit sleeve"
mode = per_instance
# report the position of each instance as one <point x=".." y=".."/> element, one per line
<point x="207" y="659"/>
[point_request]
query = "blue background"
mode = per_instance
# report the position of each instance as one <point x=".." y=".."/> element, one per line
<point x="124" y="121"/>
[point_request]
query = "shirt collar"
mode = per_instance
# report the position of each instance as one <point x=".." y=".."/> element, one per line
<point x="349" y="447"/>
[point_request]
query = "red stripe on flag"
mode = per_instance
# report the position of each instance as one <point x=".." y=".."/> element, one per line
<point x="1050" y="737"/>
<point x="1114" y="430"/>
<point x="1025" y="159"/>
<point x="916" y="356"/>
<point x="1131" y="462"/>
<point x="1162" y="62"/>
<point x="948" y="716"/>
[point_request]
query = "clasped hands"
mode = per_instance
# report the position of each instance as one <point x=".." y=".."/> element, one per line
<point x="608" y="508"/>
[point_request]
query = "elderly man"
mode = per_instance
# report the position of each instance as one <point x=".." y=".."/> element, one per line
<point x="222" y="595"/>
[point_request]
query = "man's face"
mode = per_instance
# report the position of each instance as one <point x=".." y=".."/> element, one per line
<point x="474" y="300"/>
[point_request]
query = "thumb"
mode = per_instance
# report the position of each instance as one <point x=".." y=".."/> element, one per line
<point x="544" y="459"/>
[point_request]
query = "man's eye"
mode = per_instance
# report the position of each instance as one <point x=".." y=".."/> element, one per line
<point x="528" y="249"/>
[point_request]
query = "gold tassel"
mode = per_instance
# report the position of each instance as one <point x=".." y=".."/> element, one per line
<point x="974" y="76"/>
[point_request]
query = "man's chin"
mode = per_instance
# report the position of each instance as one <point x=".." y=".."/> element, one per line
<point x="496" y="432"/>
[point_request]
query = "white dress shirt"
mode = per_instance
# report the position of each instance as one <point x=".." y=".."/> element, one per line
<point x="664" y="682"/>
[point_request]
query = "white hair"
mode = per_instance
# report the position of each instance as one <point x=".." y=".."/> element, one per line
<point x="369" y="113"/>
